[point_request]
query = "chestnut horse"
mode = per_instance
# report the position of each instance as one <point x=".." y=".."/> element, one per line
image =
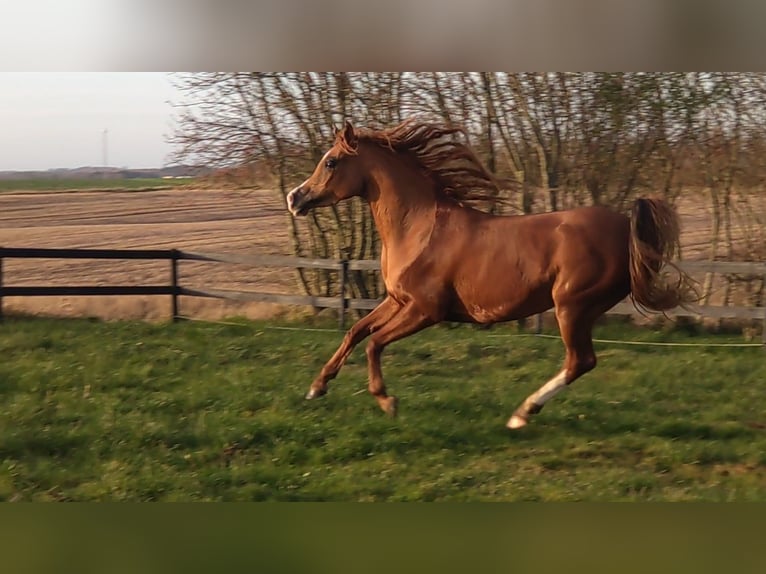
<point x="444" y="260"/>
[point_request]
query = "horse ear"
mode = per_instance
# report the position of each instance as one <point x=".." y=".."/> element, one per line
<point x="349" y="135"/>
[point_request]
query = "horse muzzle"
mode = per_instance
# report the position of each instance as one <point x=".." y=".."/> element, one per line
<point x="298" y="201"/>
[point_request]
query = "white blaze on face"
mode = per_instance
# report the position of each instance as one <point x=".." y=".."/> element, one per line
<point x="292" y="195"/>
<point x="291" y="198"/>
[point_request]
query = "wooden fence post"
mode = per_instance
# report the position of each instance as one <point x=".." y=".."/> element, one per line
<point x="763" y="331"/>
<point x="174" y="283"/>
<point x="343" y="277"/>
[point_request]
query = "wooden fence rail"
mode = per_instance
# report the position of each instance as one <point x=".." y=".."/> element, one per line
<point x="340" y="302"/>
<point x="171" y="255"/>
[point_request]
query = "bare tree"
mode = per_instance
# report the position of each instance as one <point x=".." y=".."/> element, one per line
<point x="556" y="140"/>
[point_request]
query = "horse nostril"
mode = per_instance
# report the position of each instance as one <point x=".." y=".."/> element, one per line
<point x="295" y="199"/>
<point x="293" y="196"/>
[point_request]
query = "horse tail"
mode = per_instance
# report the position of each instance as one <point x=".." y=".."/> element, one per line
<point x="654" y="241"/>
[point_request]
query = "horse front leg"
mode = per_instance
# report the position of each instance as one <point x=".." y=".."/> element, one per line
<point x="357" y="333"/>
<point x="408" y="321"/>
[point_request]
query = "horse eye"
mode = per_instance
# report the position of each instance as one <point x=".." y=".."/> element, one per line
<point x="331" y="163"/>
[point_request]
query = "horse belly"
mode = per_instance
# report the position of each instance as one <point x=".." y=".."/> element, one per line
<point x="500" y="304"/>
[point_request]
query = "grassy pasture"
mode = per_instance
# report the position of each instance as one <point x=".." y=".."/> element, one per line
<point x="194" y="411"/>
<point x="10" y="185"/>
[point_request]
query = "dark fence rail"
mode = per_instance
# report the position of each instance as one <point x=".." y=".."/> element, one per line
<point x="342" y="303"/>
<point x="171" y="255"/>
<point x="175" y="290"/>
<point x="26" y="252"/>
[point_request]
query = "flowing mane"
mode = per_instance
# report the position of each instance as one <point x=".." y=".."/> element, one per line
<point x="452" y="165"/>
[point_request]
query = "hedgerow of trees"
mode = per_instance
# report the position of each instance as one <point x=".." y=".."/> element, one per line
<point x="553" y="140"/>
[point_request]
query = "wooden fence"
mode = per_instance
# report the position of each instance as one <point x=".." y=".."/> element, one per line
<point x="171" y="255"/>
<point x="342" y="303"/>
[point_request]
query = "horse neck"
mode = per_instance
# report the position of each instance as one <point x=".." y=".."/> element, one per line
<point x="402" y="199"/>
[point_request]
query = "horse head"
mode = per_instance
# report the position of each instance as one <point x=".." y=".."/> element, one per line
<point x="336" y="177"/>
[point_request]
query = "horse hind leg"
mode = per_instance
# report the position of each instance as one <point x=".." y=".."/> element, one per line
<point x="580" y="358"/>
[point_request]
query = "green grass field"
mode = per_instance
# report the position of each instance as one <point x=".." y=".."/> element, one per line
<point x="12" y="185"/>
<point x="195" y="411"/>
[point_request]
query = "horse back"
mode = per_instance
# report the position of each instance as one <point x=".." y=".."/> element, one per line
<point x="507" y="267"/>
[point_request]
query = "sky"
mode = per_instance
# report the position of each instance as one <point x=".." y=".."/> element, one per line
<point x="57" y="120"/>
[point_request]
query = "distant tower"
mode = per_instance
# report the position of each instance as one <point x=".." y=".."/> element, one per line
<point x="105" y="151"/>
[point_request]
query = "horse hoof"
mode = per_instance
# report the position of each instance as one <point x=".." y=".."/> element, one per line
<point x="389" y="406"/>
<point x="516" y="422"/>
<point x="313" y="394"/>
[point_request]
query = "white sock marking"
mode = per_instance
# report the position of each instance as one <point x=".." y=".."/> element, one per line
<point x="548" y="390"/>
